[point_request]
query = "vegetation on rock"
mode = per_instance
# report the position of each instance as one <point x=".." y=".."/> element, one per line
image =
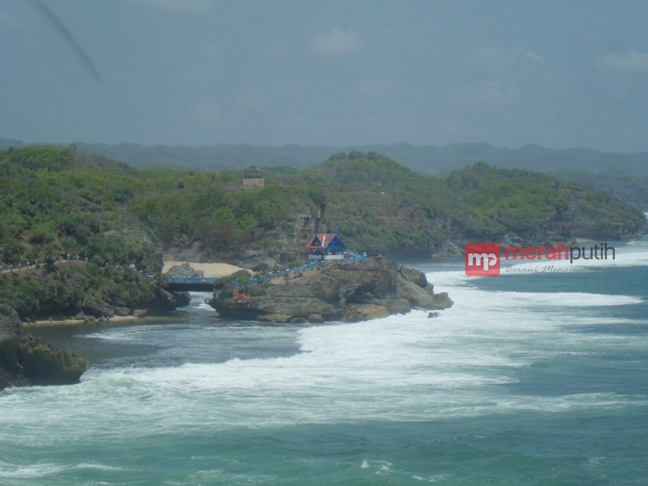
<point x="86" y="291"/>
<point x="372" y="288"/>
<point x="61" y="204"/>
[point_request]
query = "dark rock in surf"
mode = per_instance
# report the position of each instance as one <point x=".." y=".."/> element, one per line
<point x="26" y="360"/>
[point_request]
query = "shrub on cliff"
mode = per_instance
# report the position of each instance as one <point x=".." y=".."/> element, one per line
<point x="70" y="289"/>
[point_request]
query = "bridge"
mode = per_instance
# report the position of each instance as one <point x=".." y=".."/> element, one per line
<point x="191" y="284"/>
<point x="206" y="284"/>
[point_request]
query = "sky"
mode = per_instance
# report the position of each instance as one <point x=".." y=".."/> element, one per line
<point x="556" y="73"/>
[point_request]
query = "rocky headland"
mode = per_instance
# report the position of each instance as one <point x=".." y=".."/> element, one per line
<point x="26" y="360"/>
<point x="348" y="292"/>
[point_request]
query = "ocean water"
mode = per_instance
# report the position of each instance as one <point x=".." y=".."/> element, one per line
<point x="531" y="378"/>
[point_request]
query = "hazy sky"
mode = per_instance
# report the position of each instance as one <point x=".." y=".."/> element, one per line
<point x="562" y="73"/>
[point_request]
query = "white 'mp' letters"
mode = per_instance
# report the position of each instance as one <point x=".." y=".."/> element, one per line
<point x="483" y="259"/>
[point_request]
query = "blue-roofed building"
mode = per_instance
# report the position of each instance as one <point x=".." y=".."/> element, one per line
<point x="325" y="246"/>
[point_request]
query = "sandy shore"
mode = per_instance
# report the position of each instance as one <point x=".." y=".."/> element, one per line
<point x="210" y="269"/>
<point x="72" y="322"/>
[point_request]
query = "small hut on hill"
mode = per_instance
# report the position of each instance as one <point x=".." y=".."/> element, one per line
<point x="253" y="177"/>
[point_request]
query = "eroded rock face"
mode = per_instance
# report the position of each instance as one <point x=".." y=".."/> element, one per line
<point x="340" y="291"/>
<point x="169" y="301"/>
<point x="26" y="360"/>
<point x="10" y="324"/>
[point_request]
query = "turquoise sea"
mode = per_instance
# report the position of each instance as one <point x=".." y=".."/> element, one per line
<point x="531" y="378"/>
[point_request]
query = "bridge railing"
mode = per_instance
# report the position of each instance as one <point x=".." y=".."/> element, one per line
<point x="190" y="280"/>
<point x="348" y="258"/>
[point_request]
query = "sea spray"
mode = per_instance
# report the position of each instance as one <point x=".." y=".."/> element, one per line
<point x="519" y="379"/>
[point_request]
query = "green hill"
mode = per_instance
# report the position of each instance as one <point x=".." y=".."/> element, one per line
<point x="57" y="203"/>
<point x="383" y="206"/>
<point x="623" y="174"/>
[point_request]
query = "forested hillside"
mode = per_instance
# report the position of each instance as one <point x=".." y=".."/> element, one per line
<point x="385" y="206"/>
<point x="81" y="232"/>
<point x="68" y="244"/>
<point x="57" y="202"/>
<point x="624" y="175"/>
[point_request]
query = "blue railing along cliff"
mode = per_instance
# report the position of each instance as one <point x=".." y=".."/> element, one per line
<point x="348" y="258"/>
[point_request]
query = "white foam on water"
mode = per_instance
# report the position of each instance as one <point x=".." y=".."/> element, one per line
<point x="459" y="283"/>
<point x="406" y="367"/>
<point x="32" y="471"/>
<point x="44" y="470"/>
<point x="206" y="307"/>
<point x="125" y="334"/>
<point x="548" y="315"/>
<point x="198" y="301"/>
<point x="634" y="254"/>
<point x="97" y="466"/>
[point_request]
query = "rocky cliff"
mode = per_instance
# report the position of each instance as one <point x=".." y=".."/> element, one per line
<point x="26" y="360"/>
<point x="338" y="291"/>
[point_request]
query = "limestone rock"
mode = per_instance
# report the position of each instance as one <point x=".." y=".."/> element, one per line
<point x="339" y="291"/>
<point x="26" y="360"/>
<point x="401" y="306"/>
<point x="441" y="301"/>
<point x="169" y="301"/>
<point x="122" y="311"/>
<point x="10" y="324"/>
<point x="412" y="275"/>
<point x="184" y="270"/>
<point x="97" y="308"/>
<point x="363" y="312"/>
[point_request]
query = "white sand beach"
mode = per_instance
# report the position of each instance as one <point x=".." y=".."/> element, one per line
<point x="209" y="269"/>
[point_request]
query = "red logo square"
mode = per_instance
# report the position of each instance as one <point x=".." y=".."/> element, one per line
<point x="482" y="259"/>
